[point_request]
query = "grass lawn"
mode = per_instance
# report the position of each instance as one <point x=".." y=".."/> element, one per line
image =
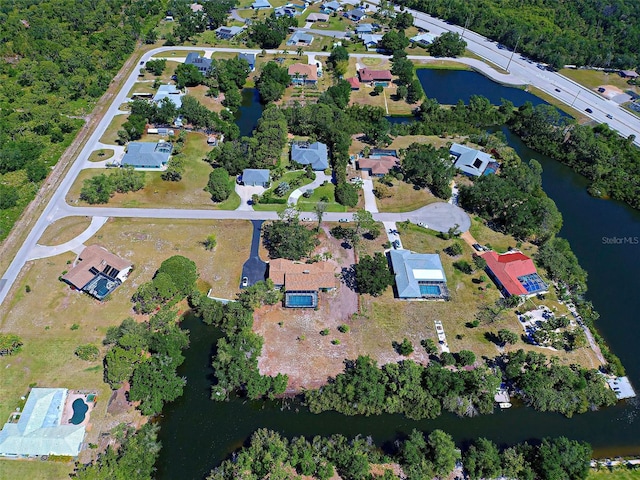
<point x="200" y="93"/>
<point x="142" y="87"/>
<point x="324" y="191"/>
<point x="43" y="317"/>
<point x="617" y="474"/>
<point x="177" y="53"/>
<point x="110" y="135"/>
<point x="63" y="230"/>
<point x="594" y="79"/>
<point x="35" y="469"/>
<point x="101" y="155"/>
<point x="157" y="193"/>
<point x="388" y="318"/>
<point x="404" y="198"/>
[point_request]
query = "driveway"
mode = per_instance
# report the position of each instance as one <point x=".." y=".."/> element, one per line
<point x="321" y="177"/>
<point x="246" y="192"/>
<point x="255" y="269"/>
<point x="370" y="204"/>
<point x="438" y="216"/>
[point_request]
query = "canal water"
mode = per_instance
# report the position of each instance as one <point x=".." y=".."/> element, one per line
<point x="198" y="433"/>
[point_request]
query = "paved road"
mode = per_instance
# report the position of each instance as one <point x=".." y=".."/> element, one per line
<point x="570" y="92"/>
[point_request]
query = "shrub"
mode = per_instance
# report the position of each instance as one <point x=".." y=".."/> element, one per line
<point x="324" y="332"/>
<point x="75" y="326"/>
<point x="344" y="328"/>
<point x="463" y="266"/>
<point x="87" y="352"/>
<point x="404" y="348"/>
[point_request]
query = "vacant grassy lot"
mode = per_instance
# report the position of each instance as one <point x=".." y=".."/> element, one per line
<point x="64" y="230"/>
<point x="617" y="474"/>
<point x="594" y="78"/>
<point x="212" y="103"/>
<point x="101" y="155"/>
<point x="35" y="469"/>
<point x="157" y="193"/>
<point x="404" y="197"/>
<point x="142" y="87"/>
<point x="110" y="135"/>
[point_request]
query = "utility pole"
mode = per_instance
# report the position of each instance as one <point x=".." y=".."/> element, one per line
<point x="575" y="98"/>
<point x="466" y="24"/>
<point x="512" y="54"/>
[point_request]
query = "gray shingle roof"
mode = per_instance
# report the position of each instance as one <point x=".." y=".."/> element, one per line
<point x="409" y="268"/>
<point x="194" y="58"/>
<point x="315" y="155"/>
<point x="147" y="154"/>
<point x="255" y="176"/>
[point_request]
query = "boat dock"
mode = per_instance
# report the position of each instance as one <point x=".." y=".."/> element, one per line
<point x="621" y="386"/>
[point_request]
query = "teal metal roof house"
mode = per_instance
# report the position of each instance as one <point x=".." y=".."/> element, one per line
<point x="255" y="177"/>
<point x="418" y="275"/>
<point x="147" y="154"/>
<point x="41" y="429"/>
<point x="170" y="92"/>
<point x="314" y="154"/>
<point x="469" y="161"/>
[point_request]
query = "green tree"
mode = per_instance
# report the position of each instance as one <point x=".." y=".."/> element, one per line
<point x="372" y="274"/>
<point x="8" y="196"/>
<point x="188" y="75"/>
<point x="211" y="242"/>
<point x="482" y="460"/>
<point x="219" y="186"/>
<point x="156" y="66"/>
<point x="405" y="347"/>
<point x="448" y="44"/>
<point x="154" y="383"/>
<point x="466" y="357"/>
<point x="346" y="194"/>
<point x="182" y="271"/>
<point x="563" y="458"/>
<point x="393" y="41"/>
<point x="289" y="239"/>
<point x="443" y="453"/>
<point x="96" y="189"/>
<point x="507" y="337"/>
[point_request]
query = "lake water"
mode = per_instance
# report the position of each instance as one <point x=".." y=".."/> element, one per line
<point x="198" y="433"/>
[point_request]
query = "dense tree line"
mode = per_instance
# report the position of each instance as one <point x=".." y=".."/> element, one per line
<point x="228" y="77"/>
<point x="514" y="201"/>
<point x="56" y="60"/>
<point x="147" y="356"/>
<point x="419" y="456"/>
<point x="262" y="150"/>
<point x="372" y="274"/>
<point x="598" y="153"/>
<point x="272" y="82"/>
<point x="235" y="360"/>
<point x="134" y="458"/>
<point x="546" y="385"/>
<point x="405" y="387"/>
<point x="584" y="33"/>
<point x="562" y="264"/>
<point x="425" y="166"/>
<point x="271" y="32"/>
<point x="190" y="23"/>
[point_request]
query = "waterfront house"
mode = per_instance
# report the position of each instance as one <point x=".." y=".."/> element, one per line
<point x="301" y="282"/>
<point x="514" y="273"/>
<point x="470" y="161"/>
<point x="250" y="58"/>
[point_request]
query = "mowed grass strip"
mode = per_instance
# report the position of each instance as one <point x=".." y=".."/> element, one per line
<point x="110" y="135"/>
<point x="101" y="155"/>
<point x="63" y="230"/>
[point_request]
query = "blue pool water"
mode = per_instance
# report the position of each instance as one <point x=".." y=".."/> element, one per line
<point x="430" y="290"/>
<point x="381" y="84"/>
<point x="300" y="300"/>
<point x="79" y="411"/>
<point x="101" y="287"/>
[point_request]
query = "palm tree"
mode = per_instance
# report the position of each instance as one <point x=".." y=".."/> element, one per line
<point x="300" y="51"/>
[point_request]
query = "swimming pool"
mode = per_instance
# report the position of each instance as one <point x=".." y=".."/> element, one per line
<point x="430" y="290"/>
<point x="300" y="300"/>
<point x="79" y="411"/>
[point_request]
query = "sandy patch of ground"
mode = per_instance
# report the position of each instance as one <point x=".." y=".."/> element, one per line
<point x="610" y="91"/>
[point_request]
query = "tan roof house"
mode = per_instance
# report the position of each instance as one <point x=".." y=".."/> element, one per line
<point x="98" y="272"/>
<point x="301" y="282"/>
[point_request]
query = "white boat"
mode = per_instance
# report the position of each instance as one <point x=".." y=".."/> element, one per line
<point x="504" y="405"/>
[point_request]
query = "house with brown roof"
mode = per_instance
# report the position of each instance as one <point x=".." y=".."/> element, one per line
<point x="98" y="272"/>
<point x="369" y="76"/>
<point x="378" y="166"/>
<point x="301" y="282"/>
<point x="354" y="82"/>
<point x="301" y="73"/>
<point x="514" y="273"/>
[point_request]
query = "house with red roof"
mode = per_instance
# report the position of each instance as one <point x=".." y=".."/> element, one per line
<point x="515" y="274"/>
<point x="354" y="82"/>
<point x="369" y="76"/>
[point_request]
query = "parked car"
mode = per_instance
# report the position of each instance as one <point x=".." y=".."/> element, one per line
<point x="396" y="244"/>
<point x="245" y="282"/>
<point x="343" y="220"/>
<point x="478" y="247"/>
<point x="588" y="110"/>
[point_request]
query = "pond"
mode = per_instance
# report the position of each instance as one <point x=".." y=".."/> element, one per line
<point x="198" y="433"/>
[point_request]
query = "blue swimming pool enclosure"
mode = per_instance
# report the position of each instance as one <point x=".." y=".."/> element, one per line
<point x="301" y="300"/>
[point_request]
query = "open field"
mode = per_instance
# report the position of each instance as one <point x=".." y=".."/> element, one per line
<point x="158" y="193"/>
<point x="617" y="474"/>
<point x="44" y="325"/>
<point x="110" y="135"/>
<point x="63" y="230"/>
<point x="35" y="469"/>
<point x="404" y="197"/>
<point x="595" y="78"/>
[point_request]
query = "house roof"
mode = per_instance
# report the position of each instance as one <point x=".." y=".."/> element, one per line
<point x="194" y="58"/>
<point x="424" y="38"/>
<point x="318" y="17"/>
<point x="410" y="268"/>
<point x="255" y="175"/>
<point x="364" y="28"/>
<point x="39" y="430"/>
<point x="261" y="4"/>
<point x="296" y="276"/>
<point x="378" y="165"/>
<point x="354" y="82"/>
<point x="367" y="75"/>
<point x="315" y="154"/>
<point x="171" y="92"/>
<point x="147" y="154"/>
<point x="301" y="69"/>
<point x="98" y="257"/>
<point x="249" y="57"/>
<point x="228" y="31"/>
<point x="630" y="73"/>
<point x="469" y="160"/>
<point x="332" y="5"/>
<point x="356" y="13"/>
<point x="300" y="37"/>
<point x="370" y="39"/>
<point x="508" y="268"/>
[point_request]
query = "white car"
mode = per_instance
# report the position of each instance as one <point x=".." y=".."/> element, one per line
<point x="245" y="282"/>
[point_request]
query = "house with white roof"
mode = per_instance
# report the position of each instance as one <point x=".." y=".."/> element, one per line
<point x="418" y="275"/>
<point x="171" y="92"/>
